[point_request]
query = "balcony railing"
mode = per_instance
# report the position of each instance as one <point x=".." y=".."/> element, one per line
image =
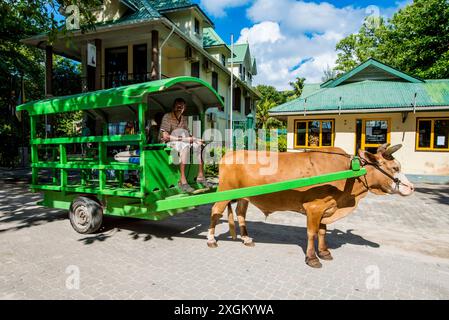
<point x="122" y="79"/>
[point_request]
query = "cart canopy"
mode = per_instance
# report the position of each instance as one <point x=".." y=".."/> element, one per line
<point x="159" y="95"/>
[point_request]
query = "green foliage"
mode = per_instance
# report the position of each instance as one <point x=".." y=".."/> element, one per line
<point x="264" y="144"/>
<point x="270" y="98"/>
<point x="66" y="77"/>
<point x="22" y="67"/>
<point x="328" y="74"/>
<point x="415" y="40"/>
<point x="211" y="169"/>
<point x="270" y="93"/>
<point x="65" y="124"/>
<point x="282" y="143"/>
<point x="298" y="86"/>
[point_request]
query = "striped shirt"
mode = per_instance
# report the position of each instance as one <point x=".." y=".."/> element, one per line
<point x="171" y="123"/>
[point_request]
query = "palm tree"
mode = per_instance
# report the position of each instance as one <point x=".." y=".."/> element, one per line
<point x="263" y="118"/>
<point x="297" y="86"/>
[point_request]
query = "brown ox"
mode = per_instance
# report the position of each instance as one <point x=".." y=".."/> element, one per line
<point x="322" y="204"/>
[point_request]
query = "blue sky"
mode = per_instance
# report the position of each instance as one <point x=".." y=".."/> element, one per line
<point x="293" y="38"/>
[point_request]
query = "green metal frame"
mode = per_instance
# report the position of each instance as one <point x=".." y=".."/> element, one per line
<point x="157" y="197"/>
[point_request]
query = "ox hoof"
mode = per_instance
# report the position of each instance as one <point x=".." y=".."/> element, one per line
<point x="325" y="255"/>
<point x="313" y="262"/>
<point x="247" y="241"/>
<point x="212" y="244"/>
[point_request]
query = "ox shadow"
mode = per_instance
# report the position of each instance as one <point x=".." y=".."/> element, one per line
<point x="438" y="193"/>
<point x="195" y="224"/>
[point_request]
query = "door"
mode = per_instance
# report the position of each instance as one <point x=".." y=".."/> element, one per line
<point x="371" y="133"/>
<point x="116" y="67"/>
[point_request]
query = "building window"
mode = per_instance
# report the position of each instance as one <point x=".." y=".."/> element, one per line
<point x="215" y="81"/>
<point x="116" y="67"/>
<point x="247" y="106"/>
<point x="223" y="59"/>
<point x="244" y="74"/>
<point x="314" y="133"/>
<point x="195" y="69"/>
<point x="374" y="134"/>
<point x="197" y="26"/>
<point x="140" y="61"/>
<point x="432" y="134"/>
<point x="241" y="71"/>
<point x="237" y="99"/>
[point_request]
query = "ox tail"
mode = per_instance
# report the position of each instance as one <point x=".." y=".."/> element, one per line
<point x="231" y="222"/>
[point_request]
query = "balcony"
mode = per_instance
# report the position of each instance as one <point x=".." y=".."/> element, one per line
<point x="111" y="81"/>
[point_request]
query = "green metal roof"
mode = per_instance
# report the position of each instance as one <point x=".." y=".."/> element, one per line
<point x="368" y="94"/>
<point x="129" y="95"/>
<point x="169" y="4"/>
<point x="211" y="38"/>
<point x="371" y="70"/>
<point x="371" y="85"/>
<point x="240" y="52"/>
<point x="144" y="12"/>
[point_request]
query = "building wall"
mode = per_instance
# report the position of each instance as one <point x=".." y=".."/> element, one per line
<point x="110" y="10"/>
<point x="412" y="161"/>
<point x="185" y="20"/>
<point x="174" y="64"/>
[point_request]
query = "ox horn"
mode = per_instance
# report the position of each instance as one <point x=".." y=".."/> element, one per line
<point x="389" y="152"/>
<point x="383" y="148"/>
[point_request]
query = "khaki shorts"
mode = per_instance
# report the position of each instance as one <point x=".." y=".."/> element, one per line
<point x="180" y="146"/>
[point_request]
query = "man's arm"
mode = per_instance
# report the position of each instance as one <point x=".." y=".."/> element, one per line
<point x="166" y="134"/>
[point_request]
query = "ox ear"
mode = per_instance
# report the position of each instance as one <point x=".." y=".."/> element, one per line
<point x="388" y="154"/>
<point x="368" y="156"/>
<point x="383" y="148"/>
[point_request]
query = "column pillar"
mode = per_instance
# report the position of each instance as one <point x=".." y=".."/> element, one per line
<point x="98" y="85"/>
<point x="155" y="67"/>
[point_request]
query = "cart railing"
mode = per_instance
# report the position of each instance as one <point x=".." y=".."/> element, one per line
<point x="102" y="164"/>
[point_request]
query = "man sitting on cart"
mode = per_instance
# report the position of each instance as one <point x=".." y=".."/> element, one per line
<point x="175" y="132"/>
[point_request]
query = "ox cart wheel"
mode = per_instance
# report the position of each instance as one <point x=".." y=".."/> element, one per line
<point x="86" y="215"/>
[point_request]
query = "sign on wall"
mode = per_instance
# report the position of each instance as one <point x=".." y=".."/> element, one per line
<point x="91" y="55"/>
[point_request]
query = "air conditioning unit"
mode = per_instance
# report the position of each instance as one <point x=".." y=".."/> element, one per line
<point x="191" y="54"/>
<point x="208" y="66"/>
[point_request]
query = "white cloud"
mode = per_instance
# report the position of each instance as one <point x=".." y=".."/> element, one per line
<point x="217" y="8"/>
<point x="264" y="32"/>
<point x="286" y="32"/>
<point x="303" y="16"/>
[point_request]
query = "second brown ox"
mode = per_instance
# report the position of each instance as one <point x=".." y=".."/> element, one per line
<point x="322" y="204"/>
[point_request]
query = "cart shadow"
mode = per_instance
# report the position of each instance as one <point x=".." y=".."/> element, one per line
<point x="20" y="211"/>
<point x="194" y="225"/>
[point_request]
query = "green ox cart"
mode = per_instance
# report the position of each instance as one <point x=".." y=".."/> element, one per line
<point x="80" y="174"/>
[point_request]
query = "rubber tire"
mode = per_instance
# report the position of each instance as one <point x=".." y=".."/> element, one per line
<point x="93" y="212"/>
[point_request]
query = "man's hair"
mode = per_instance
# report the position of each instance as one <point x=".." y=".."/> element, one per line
<point x="177" y="100"/>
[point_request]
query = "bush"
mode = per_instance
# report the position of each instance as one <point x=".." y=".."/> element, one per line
<point x="282" y="143"/>
<point x="211" y="169"/>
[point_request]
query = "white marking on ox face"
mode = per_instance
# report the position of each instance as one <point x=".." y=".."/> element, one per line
<point x="405" y="187"/>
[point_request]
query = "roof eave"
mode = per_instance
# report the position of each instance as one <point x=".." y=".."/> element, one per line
<point x="195" y="6"/>
<point x="364" y="65"/>
<point x="351" y="111"/>
<point x="99" y="28"/>
<point x="218" y="46"/>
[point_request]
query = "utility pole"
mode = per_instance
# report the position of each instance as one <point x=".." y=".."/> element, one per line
<point x="231" y="142"/>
